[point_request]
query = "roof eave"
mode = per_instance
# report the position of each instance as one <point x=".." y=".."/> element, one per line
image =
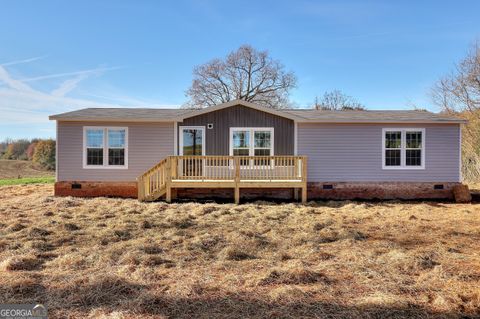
<point x="76" y="119"/>
<point x="384" y="121"/>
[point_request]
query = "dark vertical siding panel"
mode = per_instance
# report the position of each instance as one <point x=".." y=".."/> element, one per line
<point x="217" y="139"/>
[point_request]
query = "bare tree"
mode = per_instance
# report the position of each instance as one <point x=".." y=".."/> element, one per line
<point x="246" y="74"/>
<point x="459" y="93"/>
<point x="337" y="100"/>
<point x="460" y="90"/>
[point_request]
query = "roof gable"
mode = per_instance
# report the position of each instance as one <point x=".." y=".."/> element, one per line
<point x="242" y="103"/>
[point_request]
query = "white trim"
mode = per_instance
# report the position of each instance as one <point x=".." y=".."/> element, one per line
<point x="295" y="137"/>
<point x="403" y="148"/>
<point x="252" y="130"/>
<point x="460" y="178"/>
<point x="105" y="147"/>
<point x="175" y="138"/>
<point x="56" y="152"/>
<point x="192" y="128"/>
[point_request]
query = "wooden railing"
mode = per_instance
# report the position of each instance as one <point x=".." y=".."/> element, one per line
<point x="239" y="167"/>
<point x="238" y="170"/>
<point x="153" y="181"/>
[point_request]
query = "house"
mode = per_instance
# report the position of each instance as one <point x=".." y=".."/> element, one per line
<point x="240" y="149"/>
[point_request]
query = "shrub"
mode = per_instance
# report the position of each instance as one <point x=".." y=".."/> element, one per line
<point x="17" y="150"/>
<point x="45" y="154"/>
<point x="31" y="150"/>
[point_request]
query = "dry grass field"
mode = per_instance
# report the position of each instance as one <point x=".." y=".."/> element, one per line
<point x="114" y="258"/>
<point x="21" y="169"/>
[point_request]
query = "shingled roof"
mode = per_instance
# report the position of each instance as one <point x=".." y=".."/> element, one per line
<point x="122" y="114"/>
<point x="299" y="115"/>
<point x="383" y="116"/>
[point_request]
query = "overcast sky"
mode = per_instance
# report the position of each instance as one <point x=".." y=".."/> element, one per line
<point x="58" y="56"/>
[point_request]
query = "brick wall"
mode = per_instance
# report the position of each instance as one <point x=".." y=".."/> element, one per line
<point x="380" y="190"/>
<point x="96" y="189"/>
<point x="316" y="191"/>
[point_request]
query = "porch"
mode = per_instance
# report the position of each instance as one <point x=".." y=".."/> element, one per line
<point x="234" y="172"/>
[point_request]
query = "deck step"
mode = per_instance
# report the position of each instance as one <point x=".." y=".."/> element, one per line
<point x="156" y="195"/>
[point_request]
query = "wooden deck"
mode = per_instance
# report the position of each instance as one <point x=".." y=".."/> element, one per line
<point x="223" y="172"/>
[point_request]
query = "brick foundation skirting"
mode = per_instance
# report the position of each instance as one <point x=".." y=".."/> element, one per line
<point x="97" y="189"/>
<point x="380" y="190"/>
<point x="316" y="191"/>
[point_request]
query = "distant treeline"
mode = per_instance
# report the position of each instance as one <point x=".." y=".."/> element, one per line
<point x="40" y="151"/>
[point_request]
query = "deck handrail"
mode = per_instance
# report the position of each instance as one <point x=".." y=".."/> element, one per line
<point x="153" y="180"/>
<point x="211" y="168"/>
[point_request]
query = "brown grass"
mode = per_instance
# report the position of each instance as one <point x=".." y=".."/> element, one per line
<point x="15" y="169"/>
<point x="116" y="258"/>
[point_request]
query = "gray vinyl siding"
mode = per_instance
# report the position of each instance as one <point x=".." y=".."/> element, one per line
<point x="353" y="152"/>
<point x="148" y="143"/>
<point x="218" y="139"/>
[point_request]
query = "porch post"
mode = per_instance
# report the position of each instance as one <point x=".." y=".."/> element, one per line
<point x="304" y="179"/>
<point x="168" y="180"/>
<point x="237" y="179"/>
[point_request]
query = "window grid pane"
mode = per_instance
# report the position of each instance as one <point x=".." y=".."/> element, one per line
<point x="413" y="157"/>
<point x="94" y="156"/>
<point x="94" y="138"/>
<point x="262" y="139"/>
<point x="392" y="158"/>
<point x="413" y="140"/>
<point x="393" y="139"/>
<point x="116" y="138"/>
<point x="116" y="156"/>
<point x="241" y="139"/>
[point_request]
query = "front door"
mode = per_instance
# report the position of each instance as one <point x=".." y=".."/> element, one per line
<point x="192" y="142"/>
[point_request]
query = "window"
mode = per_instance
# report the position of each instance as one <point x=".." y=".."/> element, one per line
<point x="116" y="146"/>
<point x="262" y="143"/>
<point x="94" y="147"/>
<point x="251" y="142"/>
<point x="413" y="148"/>
<point x="403" y="148"/>
<point x="393" y="148"/>
<point x="262" y="146"/>
<point x="241" y="145"/>
<point x="105" y="147"/>
<point x="192" y="140"/>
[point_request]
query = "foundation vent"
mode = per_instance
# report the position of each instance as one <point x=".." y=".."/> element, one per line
<point x="76" y="186"/>
<point x="327" y="186"/>
<point x="438" y="186"/>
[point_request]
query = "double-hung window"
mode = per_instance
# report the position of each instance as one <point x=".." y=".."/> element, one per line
<point x="403" y="148"/>
<point x="105" y="147"/>
<point x="241" y="144"/>
<point x="251" y="142"/>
